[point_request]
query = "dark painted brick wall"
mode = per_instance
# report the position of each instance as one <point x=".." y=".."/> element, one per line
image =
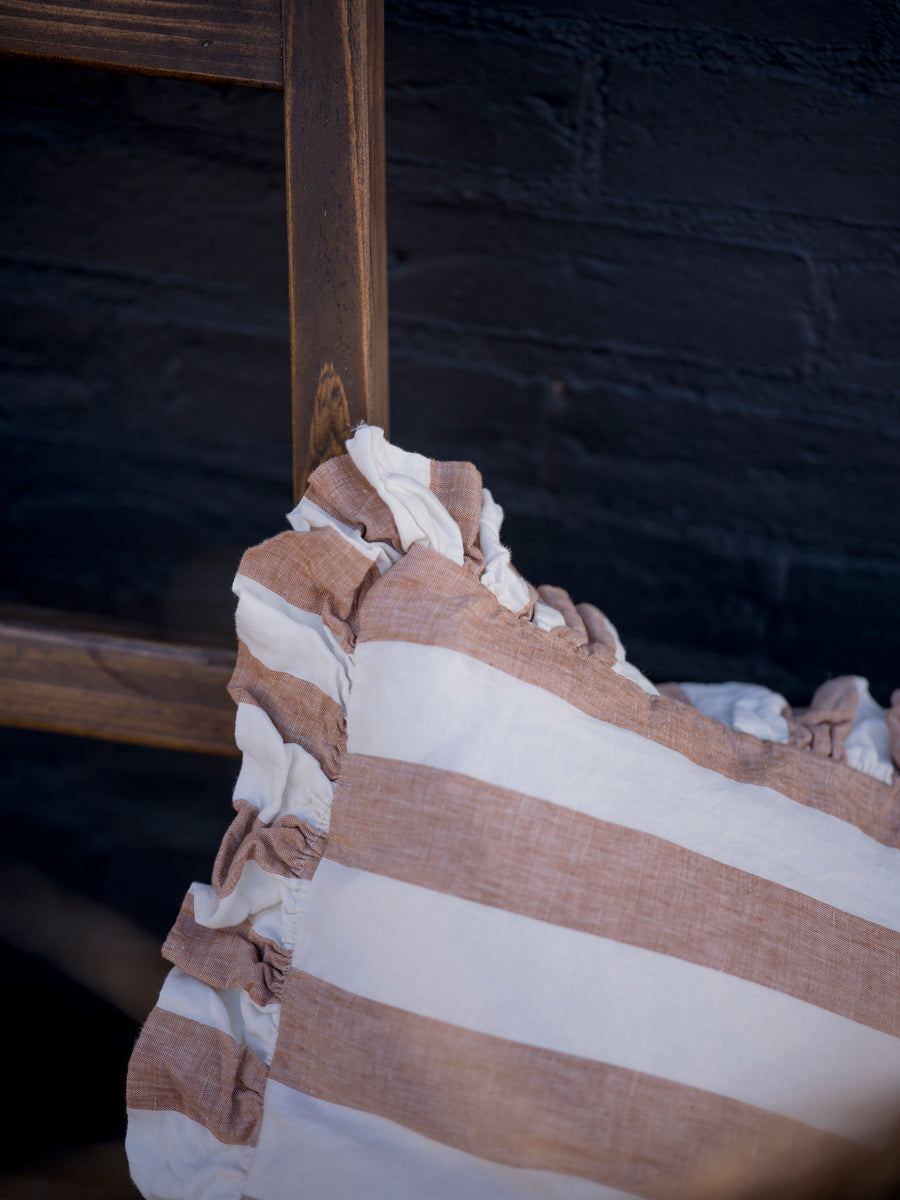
<point x="143" y="350"/>
<point x="686" y="214"/>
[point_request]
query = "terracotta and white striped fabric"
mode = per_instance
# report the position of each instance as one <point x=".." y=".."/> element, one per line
<point x="496" y="918"/>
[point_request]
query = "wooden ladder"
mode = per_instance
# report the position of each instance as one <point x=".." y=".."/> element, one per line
<point x="327" y="56"/>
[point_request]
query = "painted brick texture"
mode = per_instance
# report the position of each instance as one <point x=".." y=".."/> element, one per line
<point x="644" y="270"/>
<point x="670" y="339"/>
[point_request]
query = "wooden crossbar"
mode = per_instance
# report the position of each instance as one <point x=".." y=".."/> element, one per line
<point x="327" y="55"/>
<point x="123" y="689"/>
<point x="222" y="41"/>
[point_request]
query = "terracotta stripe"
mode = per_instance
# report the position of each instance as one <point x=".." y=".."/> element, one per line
<point x="584" y="628"/>
<point x="227" y="958"/>
<point x="458" y="487"/>
<point x="317" y="571"/>
<point x="182" y="1066"/>
<point x="484" y="843"/>
<point x="302" y="713"/>
<point x="596" y="628"/>
<point x="288" y="847"/>
<point x="342" y="491"/>
<point x="510" y="1103"/>
<point x="560" y="599"/>
<point x="462" y="615"/>
<point x="893" y="724"/>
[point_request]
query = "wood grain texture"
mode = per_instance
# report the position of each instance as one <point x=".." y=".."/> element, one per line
<point x="225" y="41"/>
<point x="334" y="138"/>
<point x="123" y="689"/>
<point x="330" y="425"/>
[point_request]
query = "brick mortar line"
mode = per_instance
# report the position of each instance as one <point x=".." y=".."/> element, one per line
<point x="814" y="392"/>
<point x="534" y="337"/>
<point x="730" y="224"/>
<point x="655" y="43"/>
<point x="144" y="451"/>
<point x="518" y="500"/>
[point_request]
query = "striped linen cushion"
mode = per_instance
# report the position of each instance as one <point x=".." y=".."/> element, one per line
<point x="495" y="917"/>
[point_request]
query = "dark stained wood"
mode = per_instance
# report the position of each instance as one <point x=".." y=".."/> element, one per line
<point x="330" y="424"/>
<point x="334" y="138"/>
<point x="123" y="689"/>
<point x="225" y="41"/>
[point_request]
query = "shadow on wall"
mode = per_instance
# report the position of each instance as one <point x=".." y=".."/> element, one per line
<point x="100" y="843"/>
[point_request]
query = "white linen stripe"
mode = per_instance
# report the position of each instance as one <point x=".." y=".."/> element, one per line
<point x="403" y="481"/>
<point x="290" y="639"/>
<point x="499" y="575"/>
<point x="278" y="777"/>
<point x="441" y="708"/>
<point x="230" y="1010"/>
<point x="471" y="965"/>
<point x="267" y="899"/>
<point x="343" y="1154"/>
<point x="307" y="516"/>
<point x="175" y="1158"/>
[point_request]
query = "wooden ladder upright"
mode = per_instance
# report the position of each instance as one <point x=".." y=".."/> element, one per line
<point x="327" y="56"/>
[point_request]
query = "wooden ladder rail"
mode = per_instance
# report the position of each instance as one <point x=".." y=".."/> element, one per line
<point x="328" y="58"/>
